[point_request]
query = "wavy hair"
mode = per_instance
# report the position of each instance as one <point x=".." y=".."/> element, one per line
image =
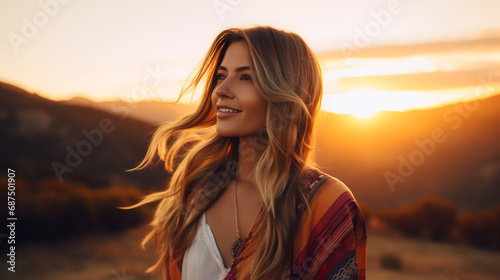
<point x="287" y="74"/>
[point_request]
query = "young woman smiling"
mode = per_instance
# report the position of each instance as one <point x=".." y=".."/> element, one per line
<point x="245" y="200"/>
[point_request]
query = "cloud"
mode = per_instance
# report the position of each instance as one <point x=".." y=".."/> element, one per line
<point x="485" y="42"/>
<point x="438" y="80"/>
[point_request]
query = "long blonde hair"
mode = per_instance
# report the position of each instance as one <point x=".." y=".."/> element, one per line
<point x="288" y="75"/>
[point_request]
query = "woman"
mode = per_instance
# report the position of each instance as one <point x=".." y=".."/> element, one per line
<point x="244" y="200"/>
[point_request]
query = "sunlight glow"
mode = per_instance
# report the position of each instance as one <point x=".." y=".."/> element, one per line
<point x="364" y="103"/>
<point x="380" y="66"/>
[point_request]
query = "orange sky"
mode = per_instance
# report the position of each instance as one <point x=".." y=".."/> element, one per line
<point x="104" y="50"/>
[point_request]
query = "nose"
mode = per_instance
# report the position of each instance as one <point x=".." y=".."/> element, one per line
<point x="224" y="89"/>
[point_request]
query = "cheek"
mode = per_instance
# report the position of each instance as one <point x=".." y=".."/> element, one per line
<point x="259" y="106"/>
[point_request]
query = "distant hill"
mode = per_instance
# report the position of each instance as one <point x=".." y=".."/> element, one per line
<point x="154" y="112"/>
<point x="45" y="139"/>
<point x="464" y="167"/>
<point x="393" y="158"/>
<point x="388" y="160"/>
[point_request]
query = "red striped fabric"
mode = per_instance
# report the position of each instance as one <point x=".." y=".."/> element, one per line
<point x="330" y="241"/>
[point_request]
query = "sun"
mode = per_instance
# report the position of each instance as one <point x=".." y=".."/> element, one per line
<point x="364" y="103"/>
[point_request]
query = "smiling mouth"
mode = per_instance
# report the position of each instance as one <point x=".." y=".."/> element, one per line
<point x="227" y="110"/>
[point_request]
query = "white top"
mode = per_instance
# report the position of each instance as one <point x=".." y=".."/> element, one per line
<point x="203" y="260"/>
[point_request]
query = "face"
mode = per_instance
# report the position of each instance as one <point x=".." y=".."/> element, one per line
<point x="240" y="109"/>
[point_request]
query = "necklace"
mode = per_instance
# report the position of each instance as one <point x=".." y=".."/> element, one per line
<point x="235" y="249"/>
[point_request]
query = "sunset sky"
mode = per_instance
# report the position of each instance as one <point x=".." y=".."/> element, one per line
<point x="378" y="55"/>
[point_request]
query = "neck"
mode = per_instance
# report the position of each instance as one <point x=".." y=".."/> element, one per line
<point x="251" y="149"/>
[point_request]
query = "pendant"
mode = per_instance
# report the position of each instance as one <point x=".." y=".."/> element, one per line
<point x="236" y="248"/>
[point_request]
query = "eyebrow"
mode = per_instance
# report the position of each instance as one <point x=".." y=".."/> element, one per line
<point x="239" y="69"/>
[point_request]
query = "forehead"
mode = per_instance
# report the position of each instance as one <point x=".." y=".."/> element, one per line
<point x="237" y="55"/>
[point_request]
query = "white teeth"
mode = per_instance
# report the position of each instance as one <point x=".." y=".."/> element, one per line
<point x="226" y="110"/>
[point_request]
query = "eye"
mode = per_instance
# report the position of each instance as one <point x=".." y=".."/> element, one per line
<point x="246" y="77"/>
<point x="220" y="76"/>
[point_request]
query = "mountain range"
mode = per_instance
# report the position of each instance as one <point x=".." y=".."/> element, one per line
<point x="45" y="139"/>
<point x="388" y="160"/>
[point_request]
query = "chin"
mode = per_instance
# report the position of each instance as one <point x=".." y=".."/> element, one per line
<point x="226" y="132"/>
<point x="240" y="130"/>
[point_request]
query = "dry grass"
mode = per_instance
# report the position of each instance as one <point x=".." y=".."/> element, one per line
<point x="120" y="257"/>
<point x="109" y="257"/>
<point x="429" y="260"/>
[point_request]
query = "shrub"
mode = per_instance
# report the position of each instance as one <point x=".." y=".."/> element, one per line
<point x="481" y="228"/>
<point x="429" y="218"/>
<point x="50" y="210"/>
<point x="391" y="261"/>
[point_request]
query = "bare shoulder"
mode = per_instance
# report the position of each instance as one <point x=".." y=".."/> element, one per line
<point x="334" y="184"/>
<point x="327" y="195"/>
<point x="331" y="190"/>
<point x="326" y="188"/>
